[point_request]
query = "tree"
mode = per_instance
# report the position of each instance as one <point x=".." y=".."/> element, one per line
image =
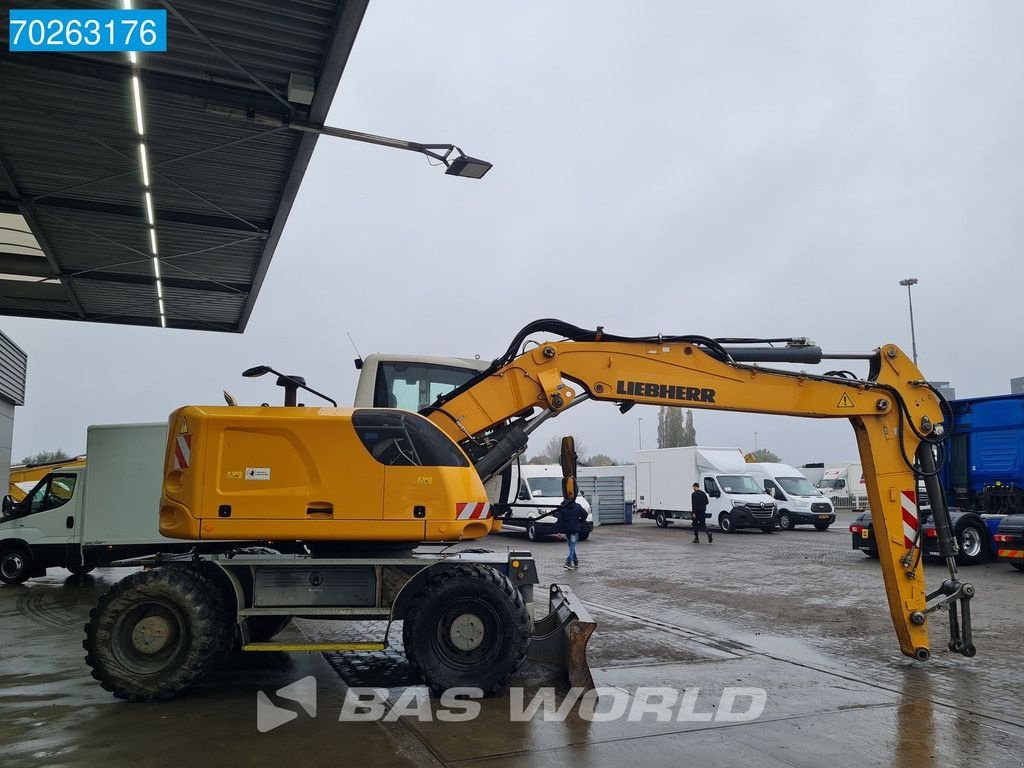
<point x="672" y="432"/>
<point x="689" y="431"/>
<point x="602" y="460"/>
<point x="670" y="427"/>
<point x="552" y="452"/>
<point x="46" y="457"/>
<point x="763" y="455"/>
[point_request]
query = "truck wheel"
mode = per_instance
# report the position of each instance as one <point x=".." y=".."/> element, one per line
<point x="821" y="526"/>
<point x="80" y="570"/>
<point x="15" y="564"/>
<point x="661" y="520"/>
<point x="725" y="523"/>
<point x="785" y="521"/>
<point x="155" y="633"/>
<point x="1018" y="566"/>
<point x="584" y="535"/>
<point x="531" y="531"/>
<point x="467" y="627"/>
<point x="971" y="540"/>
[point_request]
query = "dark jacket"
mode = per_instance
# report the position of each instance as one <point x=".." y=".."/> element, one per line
<point x="699" y="504"/>
<point x="570" y="515"/>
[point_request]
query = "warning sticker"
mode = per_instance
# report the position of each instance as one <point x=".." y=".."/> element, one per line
<point x="184" y="427"/>
<point x="845" y="401"/>
<point x="182" y="451"/>
<point x="237" y="475"/>
<point x="257" y="473"/>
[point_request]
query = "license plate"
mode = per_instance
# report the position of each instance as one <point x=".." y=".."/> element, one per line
<point x="865" y="533"/>
<point x="823" y="517"/>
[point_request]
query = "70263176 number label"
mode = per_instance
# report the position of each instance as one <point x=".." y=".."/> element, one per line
<point x="87" y="31"/>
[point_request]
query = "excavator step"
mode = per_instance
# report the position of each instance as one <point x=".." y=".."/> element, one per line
<point x="314" y="647"/>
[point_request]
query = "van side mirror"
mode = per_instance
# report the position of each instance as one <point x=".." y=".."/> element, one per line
<point x="715" y="493"/>
<point x="8" y="506"/>
<point x="524" y="495"/>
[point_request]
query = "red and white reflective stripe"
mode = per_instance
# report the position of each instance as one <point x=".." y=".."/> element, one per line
<point x="908" y="500"/>
<point x="472" y="511"/>
<point x="182" y="451"/>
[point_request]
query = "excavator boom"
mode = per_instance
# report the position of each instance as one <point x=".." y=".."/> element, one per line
<point x="896" y="415"/>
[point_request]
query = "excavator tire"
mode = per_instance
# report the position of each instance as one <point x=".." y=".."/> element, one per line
<point x="155" y="633"/>
<point x="467" y="627"/>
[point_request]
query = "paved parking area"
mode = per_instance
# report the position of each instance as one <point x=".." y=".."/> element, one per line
<point x="799" y="615"/>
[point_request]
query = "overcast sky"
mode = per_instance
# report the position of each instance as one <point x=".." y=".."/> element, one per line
<point x="717" y="168"/>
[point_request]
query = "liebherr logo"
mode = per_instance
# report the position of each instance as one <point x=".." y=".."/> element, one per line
<point x="665" y="391"/>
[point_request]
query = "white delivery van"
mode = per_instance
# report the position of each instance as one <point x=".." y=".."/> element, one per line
<point x="799" y="502"/>
<point x="664" y="484"/>
<point x="537" y="494"/>
<point x="82" y="517"/>
<point x="843" y="483"/>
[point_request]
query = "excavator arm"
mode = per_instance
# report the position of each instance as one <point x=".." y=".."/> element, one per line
<point x="897" y="417"/>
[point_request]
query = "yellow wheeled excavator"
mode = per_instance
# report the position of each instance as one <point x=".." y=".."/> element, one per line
<point x="355" y="485"/>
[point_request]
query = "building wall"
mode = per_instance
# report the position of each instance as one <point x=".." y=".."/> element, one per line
<point x="13" y="367"/>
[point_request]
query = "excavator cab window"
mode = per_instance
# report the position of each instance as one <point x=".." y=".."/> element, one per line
<point x="414" y="386"/>
<point x="406" y="440"/>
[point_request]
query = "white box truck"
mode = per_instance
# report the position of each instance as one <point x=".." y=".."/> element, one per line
<point x="843" y="483"/>
<point x="86" y="516"/>
<point x="531" y="507"/>
<point x="799" y="502"/>
<point x="664" y="484"/>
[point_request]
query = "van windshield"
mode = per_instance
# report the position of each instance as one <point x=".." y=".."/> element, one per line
<point x="832" y="483"/>
<point x="797" y="486"/>
<point x="739" y="484"/>
<point x="545" y="486"/>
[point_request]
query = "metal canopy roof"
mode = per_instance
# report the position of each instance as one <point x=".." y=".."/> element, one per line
<point x="75" y="235"/>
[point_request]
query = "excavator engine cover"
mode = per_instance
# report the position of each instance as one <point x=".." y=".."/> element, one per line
<point x="317" y="474"/>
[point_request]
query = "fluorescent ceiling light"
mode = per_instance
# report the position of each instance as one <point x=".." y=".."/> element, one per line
<point x="131" y="57"/>
<point x="137" y="90"/>
<point x="161" y="301"/>
<point x="159" y="290"/>
<point x="152" y="240"/>
<point x="149" y="209"/>
<point x="163" y="321"/>
<point x="144" y="163"/>
<point x="156" y="268"/>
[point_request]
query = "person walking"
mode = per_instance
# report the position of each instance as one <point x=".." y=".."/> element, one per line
<point x="570" y="516"/>
<point x="699" y="505"/>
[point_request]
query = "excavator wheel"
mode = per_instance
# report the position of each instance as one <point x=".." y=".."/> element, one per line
<point x="155" y="633"/>
<point x="467" y="627"/>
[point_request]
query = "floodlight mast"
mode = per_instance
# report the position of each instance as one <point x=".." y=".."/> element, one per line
<point x="461" y="165"/>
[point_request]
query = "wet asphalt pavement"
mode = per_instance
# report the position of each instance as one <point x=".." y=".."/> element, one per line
<point x="798" y="615"/>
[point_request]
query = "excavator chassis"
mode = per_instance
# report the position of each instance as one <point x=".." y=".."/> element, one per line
<point x="468" y="616"/>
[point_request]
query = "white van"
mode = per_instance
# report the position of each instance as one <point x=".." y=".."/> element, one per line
<point x="536" y="495"/>
<point x="799" y="502"/>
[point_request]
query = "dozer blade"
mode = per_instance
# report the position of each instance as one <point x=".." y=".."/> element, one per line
<point x="561" y="637"/>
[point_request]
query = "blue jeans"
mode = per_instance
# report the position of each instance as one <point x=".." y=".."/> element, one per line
<point x="572" y="538"/>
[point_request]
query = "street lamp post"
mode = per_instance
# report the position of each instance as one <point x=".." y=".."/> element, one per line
<point x="911" y="281"/>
